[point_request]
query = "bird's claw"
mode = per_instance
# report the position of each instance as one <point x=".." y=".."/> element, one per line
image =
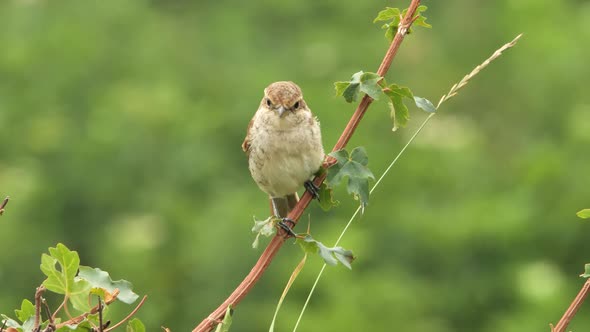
<point x="312" y="188"/>
<point x="288" y="229"/>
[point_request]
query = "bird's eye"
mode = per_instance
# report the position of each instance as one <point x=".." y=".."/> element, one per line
<point x="268" y="103"/>
<point x="296" y="105"/>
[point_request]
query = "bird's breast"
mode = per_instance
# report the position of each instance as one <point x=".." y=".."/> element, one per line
<point x="282" y="158"/>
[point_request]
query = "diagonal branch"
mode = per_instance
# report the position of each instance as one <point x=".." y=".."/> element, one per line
<point x="276" y="243"/>
<point x="3" y="205"/>
<point x="573" y="308"/>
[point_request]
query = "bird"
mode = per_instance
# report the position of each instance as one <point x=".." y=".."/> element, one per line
<point x="284" y="147"/>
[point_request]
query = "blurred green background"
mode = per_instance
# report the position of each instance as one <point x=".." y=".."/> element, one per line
<point x="120" y="132"/>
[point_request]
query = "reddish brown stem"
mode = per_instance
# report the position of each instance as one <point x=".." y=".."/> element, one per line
<point x="38" y="294"/>
<point x="128" y="316"/>
<point x="78" y="319"/>
<point x="573" y="308"/>
<point x="3" y="205"/>
<point x="276" y="243"/>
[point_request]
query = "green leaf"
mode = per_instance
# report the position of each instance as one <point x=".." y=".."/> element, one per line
<point x="101" y="279"/>
<point x="394" y="15"/>
<point x="425" y="104"/>
<point x="308" y="244"/>
<point x="387" y="14"/>
<point x="79" y="293"/>
<point x="135" y="325"/>
<point x="402" y="91"/>
<point x="9" y="322"/>
<point x="346" y="257"/>
<point x="398" y="110"/>
<point x="27" y="310"/>
<point x="352" y="92"/>
<point x="227" y="320"/>
<point x="83" y="326"/>
<point x="391" y="30"/>
<point x="100" y="292"/>
<point x="359" y="82"/>
<point x="326" y="198"/>
<point x="421" y="20"/>
<point x="354" y="167"/>
<point x="340" y="87"/>
<point x="369" y="84"/>
<point x="586" y="273"/>
<point x="263" y="227"/>
<point x="359" y="155"/>
<point x="330" y="255"/>
<point x="60" y="281"/>
<point x="64" y="281"/>
<point x="584" y="214"/>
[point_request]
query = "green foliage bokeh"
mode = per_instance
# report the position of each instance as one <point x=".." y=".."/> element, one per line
<point x="120" y="132"/>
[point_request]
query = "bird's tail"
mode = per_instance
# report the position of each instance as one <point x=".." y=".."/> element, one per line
<point x="281" y="206"/>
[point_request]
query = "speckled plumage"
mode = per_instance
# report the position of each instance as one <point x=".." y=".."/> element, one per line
<point x="284" y="148"/>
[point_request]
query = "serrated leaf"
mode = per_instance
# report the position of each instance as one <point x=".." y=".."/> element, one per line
<point x="586" y="273"/>
<point x="135" y="325"/>
<point x="334" y="177"/>
<point x="351" y="93"/>
<point x="326" y="254"/>
<point x="9" y="322"/>
<point x="331" y="256"/>
<point x="326" y="198"/>
<point x="424" y="104"/>
<point x="83" y="326"/>
<point x="263" y="227"/>
<point x="391" y="31"/>
<point x="359" y="188"/>
<point x="360" y="82"/>
<point x="370" y="85"/>
<point x="227" y="320"/>
<point x="79" y="293"/>
<point x="398" y="110"/>
<point x="101" y="279"/>
<point x="26" y="311"/>
<point x="63" y="281"/>
<point x="584" y="214"/>
<point x="340" y="87"/>
<point x="308" y="244"/>
<point x="359" y="154"/>
<point x="354" y="167"/>
<point x="345" y="257"/>
<point x="101" y="292"/>
<point x="387" y="14"/>
<point x="403" y="91"/>
<point x="421" y="21"/>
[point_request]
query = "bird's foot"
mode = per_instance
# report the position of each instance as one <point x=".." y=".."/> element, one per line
<point x="312" y="188"/>
<point x="288" y="229"/>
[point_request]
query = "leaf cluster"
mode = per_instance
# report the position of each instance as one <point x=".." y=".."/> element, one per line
<point x="393" y="17"/>
<point x="80" y="286"/>
<point x="375" y="87"/>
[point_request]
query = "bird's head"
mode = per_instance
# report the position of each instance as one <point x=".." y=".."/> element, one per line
<point x="283" y="98"/>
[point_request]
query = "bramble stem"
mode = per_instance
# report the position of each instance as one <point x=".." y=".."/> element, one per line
<point x="572" y="309"/>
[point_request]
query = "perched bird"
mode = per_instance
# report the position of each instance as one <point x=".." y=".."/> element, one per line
<point x="284" y="146"/>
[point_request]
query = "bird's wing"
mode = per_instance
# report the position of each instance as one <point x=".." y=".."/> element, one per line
<point x="246" y="143"/>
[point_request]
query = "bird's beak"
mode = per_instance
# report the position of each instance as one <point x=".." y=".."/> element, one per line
<point x="281" y="110"/>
